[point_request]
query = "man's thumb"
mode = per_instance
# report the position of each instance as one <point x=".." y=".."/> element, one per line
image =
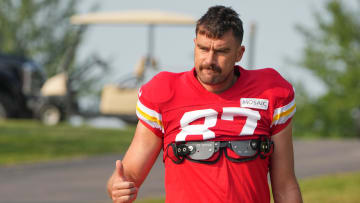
<point x="120" y="170"/>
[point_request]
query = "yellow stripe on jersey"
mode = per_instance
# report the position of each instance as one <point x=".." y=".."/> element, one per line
<point x="282" y="114"/>
<point x="285" y="113"/>
<point x="148" y="115"/>
<point x="149" y="118"/>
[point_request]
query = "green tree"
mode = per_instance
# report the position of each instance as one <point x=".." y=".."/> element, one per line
<point x="332" y="53"/>
<point x="41" y="30"/>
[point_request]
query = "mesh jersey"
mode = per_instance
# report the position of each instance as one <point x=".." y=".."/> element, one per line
<point x="176" y="107"/>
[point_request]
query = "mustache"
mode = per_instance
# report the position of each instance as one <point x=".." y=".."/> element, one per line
<point x="211" y="67"/>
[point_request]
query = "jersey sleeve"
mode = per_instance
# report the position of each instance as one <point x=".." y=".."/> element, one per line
<point x="285" y="108"/>
<point x="151" y="97"/>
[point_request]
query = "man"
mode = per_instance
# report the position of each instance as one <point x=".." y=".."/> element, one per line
<point x="217" y="124"/>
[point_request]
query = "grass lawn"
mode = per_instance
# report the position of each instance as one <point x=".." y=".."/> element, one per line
<point x="27" y="141"/>
<point x="154" y="200"/>
<point x="342" y="188"/>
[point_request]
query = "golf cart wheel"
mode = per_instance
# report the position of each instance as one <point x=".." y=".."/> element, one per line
<point x="5" y="106"/>
<point x="3" y="113"/>
<point x="50" y="115"/>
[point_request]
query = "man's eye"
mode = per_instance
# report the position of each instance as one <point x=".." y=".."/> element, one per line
<point x="222" y="51"/>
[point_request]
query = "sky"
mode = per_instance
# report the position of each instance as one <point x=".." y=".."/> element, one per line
<point x="277" y="42"/>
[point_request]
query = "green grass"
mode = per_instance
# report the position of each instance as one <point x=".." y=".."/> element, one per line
<point x="342" y="188"/>
<point x="151" y="200"/>
<point x="333" y="188"/>
<point x="28" y="141"/>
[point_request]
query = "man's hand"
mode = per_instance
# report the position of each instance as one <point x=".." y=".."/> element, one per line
<point x="121" y="189"/>
<point x="131" y="172"/>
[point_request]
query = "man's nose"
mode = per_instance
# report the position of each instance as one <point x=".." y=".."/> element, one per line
<point x="210" y="58"/>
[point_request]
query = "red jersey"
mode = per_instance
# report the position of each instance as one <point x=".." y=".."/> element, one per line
<point x="176" y="107"/>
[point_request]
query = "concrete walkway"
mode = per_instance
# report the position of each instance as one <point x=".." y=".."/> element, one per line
<point x="83" y="180"/>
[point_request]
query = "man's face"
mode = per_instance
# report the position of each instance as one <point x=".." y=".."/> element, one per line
<point x="215" y="58"/>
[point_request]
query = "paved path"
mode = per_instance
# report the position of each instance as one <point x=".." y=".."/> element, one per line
<point x="83" y="180"/>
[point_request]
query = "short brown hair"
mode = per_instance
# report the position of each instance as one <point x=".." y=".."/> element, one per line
<point x="218" y="20"/>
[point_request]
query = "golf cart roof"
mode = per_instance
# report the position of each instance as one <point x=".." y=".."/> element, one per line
<point x="134" y="17"/>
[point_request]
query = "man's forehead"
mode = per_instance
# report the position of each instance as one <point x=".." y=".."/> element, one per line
<point x="213" y="35"/>
<point x="225" y="40"/>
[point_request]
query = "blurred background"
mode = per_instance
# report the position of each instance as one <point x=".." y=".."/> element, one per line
<point x="70" y="71"/>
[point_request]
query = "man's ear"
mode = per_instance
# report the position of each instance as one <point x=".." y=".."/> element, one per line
<point x="240" y="53"/>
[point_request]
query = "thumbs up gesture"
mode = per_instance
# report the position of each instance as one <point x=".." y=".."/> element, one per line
<point x="122" y="190"/>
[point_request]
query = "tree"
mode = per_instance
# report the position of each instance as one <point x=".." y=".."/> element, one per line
<point x="41" y="30"/>
<point x="332" y="53"/>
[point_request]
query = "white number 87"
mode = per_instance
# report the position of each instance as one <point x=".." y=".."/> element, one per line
<point x="210" y="116"/>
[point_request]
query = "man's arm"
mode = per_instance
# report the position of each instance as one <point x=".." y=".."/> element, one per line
<point x="283" y="181"/>
<point x="130" y="173"/>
